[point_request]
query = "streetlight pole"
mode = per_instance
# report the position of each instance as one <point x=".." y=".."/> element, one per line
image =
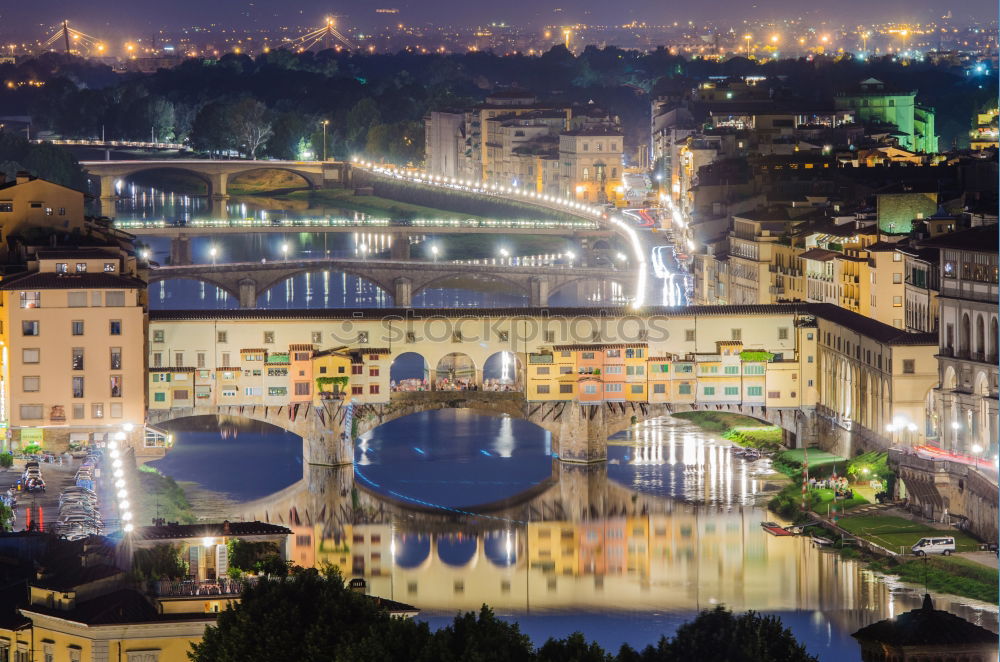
<point x="434" y="252"/>
<point x="284" y="251"/>
<point x="748" y="37"/>
<point x="324" y="123"/>
<point x="213" y="252"/>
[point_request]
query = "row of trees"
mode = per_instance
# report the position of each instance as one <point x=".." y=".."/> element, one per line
<point x="274" y="105"/>
<point x="311" y="616"/>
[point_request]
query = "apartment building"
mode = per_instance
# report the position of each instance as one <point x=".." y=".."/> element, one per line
<point x="75" y="336"/>
<point x="28" y="201"/>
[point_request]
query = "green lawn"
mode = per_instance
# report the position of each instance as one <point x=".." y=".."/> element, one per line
<point x="720" y="421"/>
<point x="948" y="574"/>
<point x="370" y="204"/>
<point x="894" y="533"/>
<point x="826" y="497"/>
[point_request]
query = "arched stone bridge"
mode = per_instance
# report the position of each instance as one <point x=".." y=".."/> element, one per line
<point x="215" y="174"/>
<point x="579" y="432"/>
<point x="401" y="278"/>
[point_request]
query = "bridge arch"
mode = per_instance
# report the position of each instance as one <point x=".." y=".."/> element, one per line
<point x="412" y="550"/>
<point x="235" y="295"/>
<point x="360" y="278"/>
<point x="440" y="282"/>
<point x="503" y="370"/>
<point x="455" y="369"/>
<point x="600" y="290"/>
<point x="457" y="550"/>
<point x="296" y="176"/>
<point x="410" y="372"/>
<point x="204" y="178"/>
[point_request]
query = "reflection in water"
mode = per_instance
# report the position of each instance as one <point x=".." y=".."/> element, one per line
<point x="220" y="452"/>
<point x="622" y="560"/>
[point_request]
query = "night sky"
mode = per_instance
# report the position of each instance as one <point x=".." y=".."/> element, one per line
<point x="127" y="16"/>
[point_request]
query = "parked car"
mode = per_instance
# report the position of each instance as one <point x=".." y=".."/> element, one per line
<point x="943" y="545"/>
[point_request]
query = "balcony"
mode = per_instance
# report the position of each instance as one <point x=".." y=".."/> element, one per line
<point x="223" y="586"/>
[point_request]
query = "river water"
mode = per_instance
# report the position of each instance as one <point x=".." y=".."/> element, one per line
<point x="311" y="290"/>
<point x="451" y="509"/>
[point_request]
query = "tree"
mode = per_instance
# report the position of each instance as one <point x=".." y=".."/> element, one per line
<point x="573" y="648"/>
<point x="250" y="122"/>
<point x="720" y="636"/>
<point x="159" y="562"/>
<point x="210" y="130"/>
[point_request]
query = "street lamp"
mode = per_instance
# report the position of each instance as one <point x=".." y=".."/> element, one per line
<point x="284" y="250"/>
<point x="363" y="249"/>
<point x="324" y="123"/>
<point x="213" y="251"/>
<point x="504" y="255"/>
<point x="570" y="255"/>
<point x="434" y="252"/>
<point x="748" y="37"/>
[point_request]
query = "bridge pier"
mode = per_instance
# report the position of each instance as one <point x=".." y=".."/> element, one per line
<point x="539" y="292"/>
<point x="402" y="292"/>
<point x="108" y="195"/>
<point x="180" y="250"/>
<point x="248" y="293"/>
<point x="218" y="185"/>
<point x="400" y="248"/>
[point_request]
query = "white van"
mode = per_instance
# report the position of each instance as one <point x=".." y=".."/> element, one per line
<point x="927" y="546"/>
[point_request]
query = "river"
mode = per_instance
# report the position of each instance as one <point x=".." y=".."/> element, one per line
<point x="451" y="509"/>
<point x="324" y="289"/>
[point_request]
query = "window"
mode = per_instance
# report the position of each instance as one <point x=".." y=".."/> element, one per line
<point x="221" y="336"/>
<point x="116" y="410"/>
<point x="709" y="390"/>
<point x="897" y="279"/>
<point x="542" y="388"/>
<point x="277" y="390"/>
<point x="81" y="267"/>
<point x="116" y="386"/>
<point x="30" y="355"/>
<point x="77" y="358"/>
<point x="33" y="299"/>
<point x="774" y="394"/>
<point x="897" y="257"/>
<point x="317" y="337"/>
<point x="77" y="387"/>
<point x="590" y="389"/>
<point x="158" y="335"/>
<point x="6" y="207"/>
<point x="269" y="337"/>
<point x="755" y="391"/>
<point x="362" y="337"/>
<point x="62" y="268"/>
<point x="612" y="369"/>
<point x="897" y="302"/>
<point x="732" y="390"/>
<point x="731" y="369"/>
<point x="116" y="358"/>
<point x="636" y="371"/>
<point x="357" y="390"/>
<point x="636" y="389"/>
<point x="114" y="299"/>
<point x="659" y="388"/>
<point x="737" y="334"/>
<point x="565" y="388"/>
<point x="587" y="356"/>
<point x="411" y="337"/>
<point x="550" y="336"/>
<point x="179" y="359"/>
<point x="115" y="327"/>
<point x="909" y="366"/>
<point x="76" y="327"/>
<point x="456" y="336"/>
<point x="689" y="335"/>
<point x="357" y="369"/>
<point x="684" y="389"/>
<point x="110" y="267"/>
<point x="97" y="410"/>
<point x="542" y="370"/>
<point x="29" y="328"/>
<point x="32" y="412"/>
<point x="753" y="370"/>
<point x="302" y="388"/>
<point x="783" y="333"/>
<point x="809" y="359"/>
<point x="31" y="384"/>
<point x="373" y="371"/>
<point x="201" y="360"/>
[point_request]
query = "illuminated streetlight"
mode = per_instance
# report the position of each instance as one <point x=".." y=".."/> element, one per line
<point x="748" y="37"/>
<point x="434" y="252"/>
<point x="284" y="250"/>
<point x="324" y="123"/>
<point x="504" y="255"/>
<point x="214" y="252"/>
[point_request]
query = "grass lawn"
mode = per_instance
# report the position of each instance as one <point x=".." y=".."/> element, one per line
<point x="370" y="204"/>
<point x="948" y="574"/>
<point x="720" y="421"/>
<point x="894" y="533"/>
<point x="826" y="497"/>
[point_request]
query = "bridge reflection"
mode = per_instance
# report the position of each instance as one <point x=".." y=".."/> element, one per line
<point x="582" y="542"/>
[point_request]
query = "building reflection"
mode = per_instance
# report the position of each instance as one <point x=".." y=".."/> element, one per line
<point x="583" y="542"/>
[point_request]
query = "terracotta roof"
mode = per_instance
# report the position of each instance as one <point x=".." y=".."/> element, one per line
<point x="117" y="608"/>
<point x="74" y="281"/>
<point x="68" y="578"/>
<point x="300" y="348"/>
<point x="236" y="529"/>
<point x="820" y="255"/>
<point x="76" y="254"/>
<point x="253" y="350"/>
<point x="166" y="368"/>
<point x="926" y="626"/>
<point x="598" y="347"/>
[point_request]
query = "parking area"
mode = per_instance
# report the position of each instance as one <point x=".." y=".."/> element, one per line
<point x="40" y="509"/>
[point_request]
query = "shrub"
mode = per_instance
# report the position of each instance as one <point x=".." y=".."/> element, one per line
<point x="6" y="460"/>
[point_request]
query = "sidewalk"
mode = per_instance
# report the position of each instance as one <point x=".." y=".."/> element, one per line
<point x="988" y="559"/>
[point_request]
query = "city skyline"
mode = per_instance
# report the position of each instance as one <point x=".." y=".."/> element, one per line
<point x="240" y="14"/>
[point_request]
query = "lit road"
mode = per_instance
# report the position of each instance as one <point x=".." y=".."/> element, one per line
<point x="668" y="282"/>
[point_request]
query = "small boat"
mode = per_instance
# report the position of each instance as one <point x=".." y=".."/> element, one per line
<point x="775" y="530"/>
<point x="821" y="541"/>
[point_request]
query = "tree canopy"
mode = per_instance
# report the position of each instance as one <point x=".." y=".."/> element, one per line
<point x="311" y="617"/>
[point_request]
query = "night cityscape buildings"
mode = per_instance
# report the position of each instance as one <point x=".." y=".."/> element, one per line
<point x="591" y="323"/>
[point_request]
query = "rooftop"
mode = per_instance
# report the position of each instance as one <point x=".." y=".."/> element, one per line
<point x="926" y="626"/>
<point x="74" y="281"/>
<point x="982" y="239"/>
<point x="117" y="608"/>
<point x="235" y="529"/>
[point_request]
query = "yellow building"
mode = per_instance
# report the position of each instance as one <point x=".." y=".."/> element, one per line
<point x="27" y="202"/>
<point x="75" y="367"/>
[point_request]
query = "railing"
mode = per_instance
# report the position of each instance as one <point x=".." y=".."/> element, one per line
<point x="222" y="586"/>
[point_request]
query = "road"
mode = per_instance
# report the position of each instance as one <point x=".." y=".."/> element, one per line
<point x="669" y="283"/>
